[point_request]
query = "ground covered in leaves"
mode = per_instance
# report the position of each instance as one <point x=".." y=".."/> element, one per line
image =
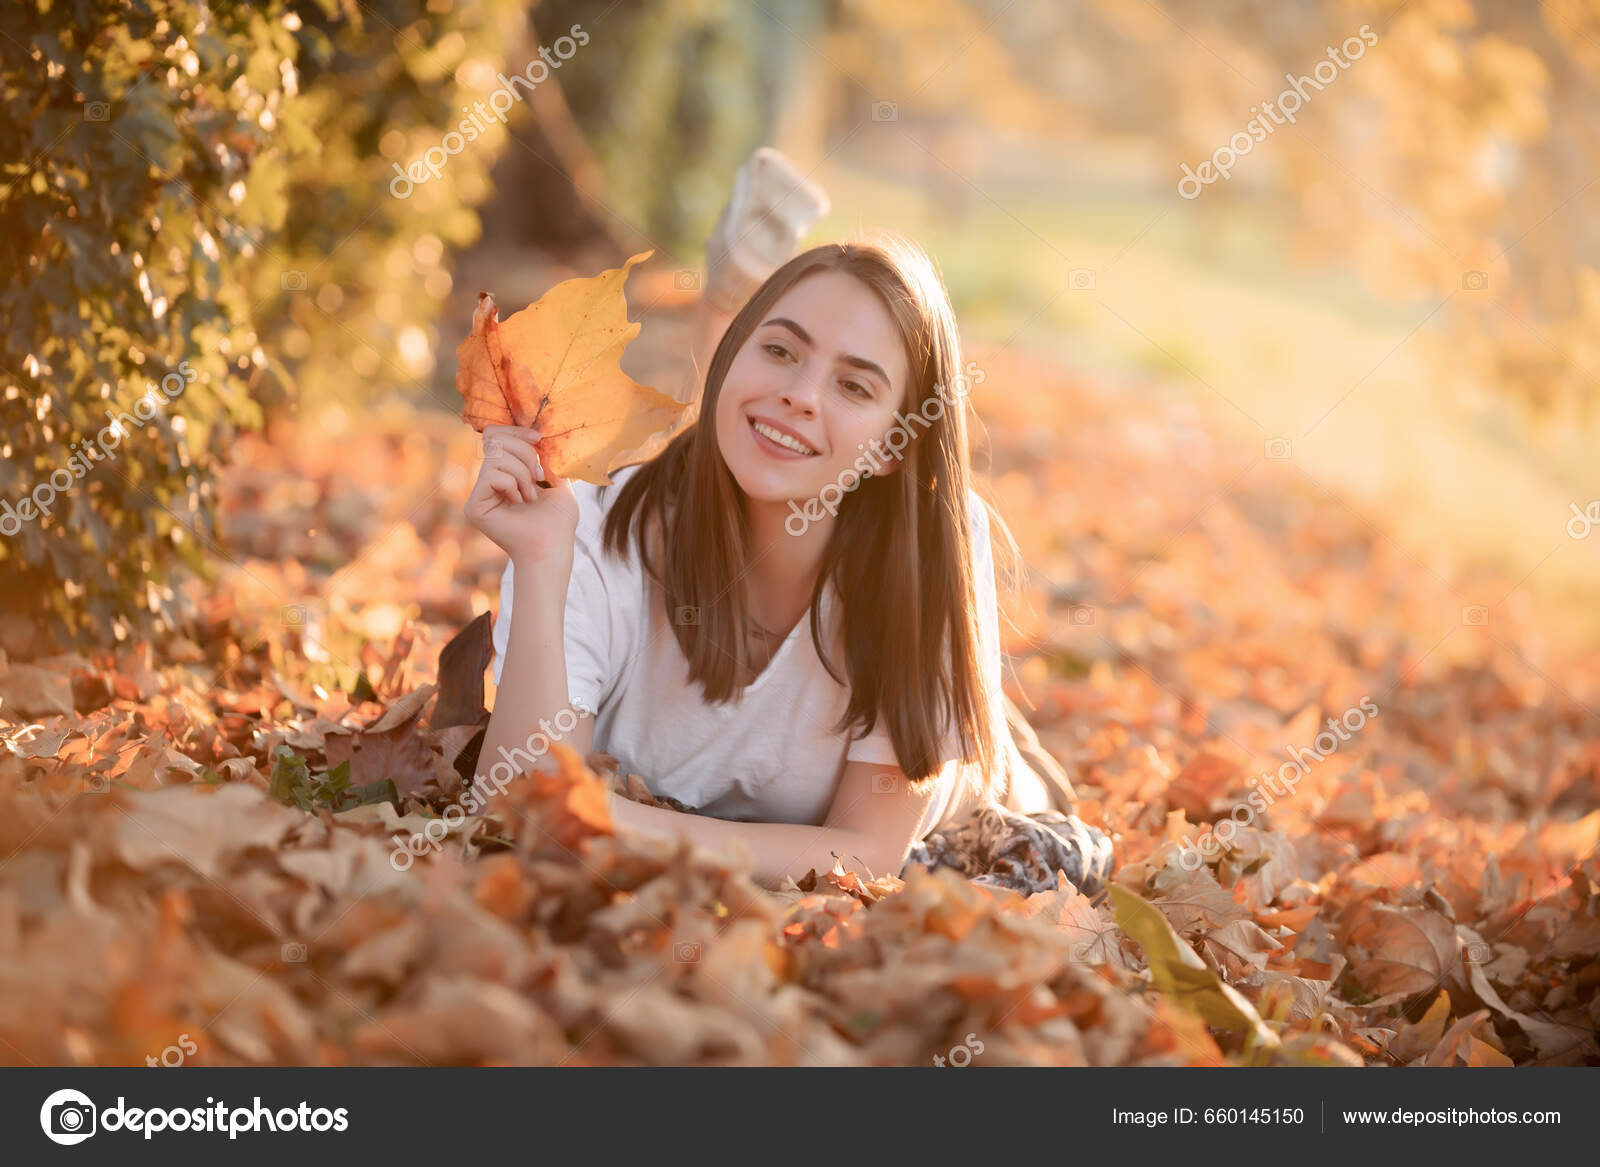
<point x="196" y="835"/>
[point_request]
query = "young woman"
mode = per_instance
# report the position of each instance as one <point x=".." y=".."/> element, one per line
<point x="787" y="619"/>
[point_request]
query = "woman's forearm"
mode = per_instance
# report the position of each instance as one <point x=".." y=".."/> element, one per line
<point x="533" y="680"/>
<point x="778" y="849"/>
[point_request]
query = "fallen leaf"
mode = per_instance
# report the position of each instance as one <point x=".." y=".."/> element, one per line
<point x="34" y="691"/>
<point x="1397" y="950"/>
<point x="1181" y="976"/>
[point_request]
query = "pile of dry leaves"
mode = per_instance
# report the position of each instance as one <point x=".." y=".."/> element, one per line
<point x="197" y="838"/>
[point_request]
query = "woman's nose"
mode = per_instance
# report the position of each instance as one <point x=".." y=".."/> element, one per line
<point x="802" y="393"/>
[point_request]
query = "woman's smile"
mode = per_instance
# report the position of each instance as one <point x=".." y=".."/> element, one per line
<point x="779" y="441"/>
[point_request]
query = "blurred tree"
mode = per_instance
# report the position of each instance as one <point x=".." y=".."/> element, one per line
<point x="390" y="90"/>
<point x="672" y="96"/>
<point x="1454" y="159"/>
<point x="196" y="204"/>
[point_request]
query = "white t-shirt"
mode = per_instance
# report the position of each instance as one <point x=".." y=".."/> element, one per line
<point x="769" y="756"/>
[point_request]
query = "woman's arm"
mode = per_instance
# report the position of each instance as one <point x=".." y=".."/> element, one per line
<point x="533" y="688"/>
<point x="871" y="826"/>
<point x="533" y="517"/>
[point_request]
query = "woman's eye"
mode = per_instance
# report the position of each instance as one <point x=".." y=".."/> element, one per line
<point x="860" y="389"/>
<point x="776" y="349"/>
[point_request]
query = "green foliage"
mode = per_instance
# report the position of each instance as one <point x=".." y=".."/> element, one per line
<point x="196" y="196"/>
<point x="360" y="274"/>
<point x="294" y="783"/>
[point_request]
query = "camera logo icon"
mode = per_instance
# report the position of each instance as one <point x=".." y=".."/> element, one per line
<point x="1081" y="279"/>
<point x="293" y="281"/>
<point x="885" y="784"/>
<point x="1082" y="614"/>
<point x="97" y="111"/>
<point x="1475" y="615"/>
<point x="1278" y="448"/>
<point x="686" y="614"/>
<point x="68" y="1117"/>
<point x="885" y="111"/>
<point x="293" y="952"/>
<point x="1474" y="281"/>
<point x="686" y="952"/>
<point x="686" y="279"/>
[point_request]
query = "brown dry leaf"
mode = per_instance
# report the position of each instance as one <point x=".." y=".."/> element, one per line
<point x="1303" y="997"/>
<point x="1549" y="1040"/>
<point x="394" y="747"/>
<point x="197" y="826"/>
<point x="1201" y="784"/>
<point x="556" y="367"/>
<point x="1397" y="951"/>
<point x="34" y="741"/>
<point x="1240" y="948"/>
<point x="1093" y="939"/>
<point x="1459" y="1042"/>
<point x="1194" y="900"/>
<point x="460" y="1020"/>
<point x="34" y="691"/>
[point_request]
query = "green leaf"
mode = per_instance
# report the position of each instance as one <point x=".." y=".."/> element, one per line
<point x="289" y="776"/>
<point x="373" y="792"/>
<point x="363" y="691"/>
<point x="335" y="782"/>
<point x="1182" y="977"/>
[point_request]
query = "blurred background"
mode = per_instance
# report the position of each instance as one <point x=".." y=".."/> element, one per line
<point x="1183" y="301"/>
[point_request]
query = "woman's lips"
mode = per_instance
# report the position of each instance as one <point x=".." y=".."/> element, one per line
<point x="772" y="448"/>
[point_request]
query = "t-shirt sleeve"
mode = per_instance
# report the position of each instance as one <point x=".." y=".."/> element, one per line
<point x="594" y="631"/>
<point x="876" y="747"/>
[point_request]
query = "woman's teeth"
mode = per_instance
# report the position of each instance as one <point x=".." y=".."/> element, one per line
<point x="782" y="438"/>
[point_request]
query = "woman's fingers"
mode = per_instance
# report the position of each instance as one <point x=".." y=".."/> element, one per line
<point x="503" y="484"/>
<point x="514" y="446"/>
<point x="520" y="472"/>
<point x="514" y="431"/>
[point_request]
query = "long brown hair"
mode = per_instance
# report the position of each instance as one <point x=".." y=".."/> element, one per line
<point x="900" y="553"/>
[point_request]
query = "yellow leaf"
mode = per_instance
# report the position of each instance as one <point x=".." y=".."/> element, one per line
<point x="1181" y="976"/>
<point x="590" y="413"/>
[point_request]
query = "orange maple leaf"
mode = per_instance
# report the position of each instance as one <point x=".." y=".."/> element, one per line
<point x="556" y="366"/>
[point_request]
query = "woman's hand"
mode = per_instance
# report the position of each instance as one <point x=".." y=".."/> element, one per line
<point x="533" y="524"/>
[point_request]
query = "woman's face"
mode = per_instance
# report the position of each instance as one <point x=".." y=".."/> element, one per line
<point x="825" y="369"/>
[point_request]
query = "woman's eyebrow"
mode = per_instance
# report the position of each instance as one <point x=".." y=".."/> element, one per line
<point x="857" y="362"/>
